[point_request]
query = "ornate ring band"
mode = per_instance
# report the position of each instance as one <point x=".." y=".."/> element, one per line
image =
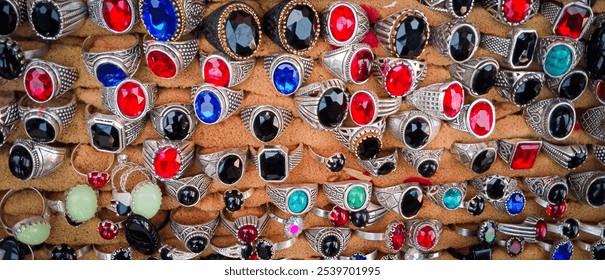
<point x="44" y="80"/>
<point x="570" y="86"/>
<point x="334" y="98"/>
<point x="599" y="152"/>
<point x="519" y="154"/>
<point x="587" y="187"/>
<point x="349" y="195"/>
<point x="442" y="100"/>
<point x="404" y="199"/>
<point x="293" y="199"/>
<point x="405" y="21"/>
<point x="551" y="118"/>
<point x="380" y="166"/>
<point x="112" y="67"/>
<point x="352" y="63"/>
<point x="168" y="159"/>
<point x="555" y="13"/>
<point x="477" y="118"/>
<point x="458" y="10"/>
<point x="449" y="196"/>
<point x="226" y="166"/>
<point x="531" y="230"/>
<point x="9" y="115"/>
<point x="293" y="25"/>
<point x="29" y="160"/>
<point x="425" y="162"/>
<point x="246" y="229"/>
<point x="195" y="237"/>
<point x="70" y="14"/>
<point x="45" y="124"/>
<point x="517" y="50"/>
<point x="174" y="121"/>
<point x="558" y="55"/>
<point x="592" y="122"/>
<point x="552" y="189"/>
<point x="266" y="122"/>
<point x="457" y="39"/>
<point x="366" y="107"/>
<point x="188" y="191"/>
<point x="117" y="99"/>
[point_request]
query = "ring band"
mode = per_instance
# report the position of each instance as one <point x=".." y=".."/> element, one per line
<point x="380" y="166"/>
<point x="293" y="25"/>
<point x="432" y="100"/>
<point x="226" y="166"/>
<point x="251" y="227"/>
<point x="115" y="99"/>
<point x="519" y="87"/>
<point x="195" y="237"/>
<point x="335" y="163"/>
<point x="448" y="196"/>
<point x="387" y="29"/>
<point x="317" y="236"/>
<point x="592" y="122"/>
<point x="555" y="13"/>
<point x="477" y="118"/>
<point x="448" y="39"/>
<point x="486" y="231"/>
<point x="9" y="115"/>
<point x="415" y="129"/>
<point x="70" y="13"/>
<point x="30" y="160"/>
<point x="425" y="162"/>
<point x="363" y="141"/>
<point x="112" y="67"/>
<point x="569" y="156"/>
<point x="586" y="187"/>
<point x="551" y="118"/>
<point x="393" y="236"/>
<point x="45" y="124"/>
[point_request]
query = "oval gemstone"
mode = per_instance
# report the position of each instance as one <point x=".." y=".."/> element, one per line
<point x="411" y="37"/>
<point x="411" y="202"/>
<point x="266" y="126"/>
<point x="208" y="107"/>
<point x="38" y="84"/>
<point x="453" y="100"/>
<point x="160" y="18"/>
<point x="570" y="228"/>
<point x="10" y="64"/>
<point x="286" y="78"/>
<point x="40" y="130"/>
<point x="141" y="234"/>
<point x="488" y="233"/>
<point x="360" y="218"/>
<point x="556" y="211"/>
<point x="247" y="233"/>
<point x="369" y="148"/>
<point x="176" y="125"/>
<point x="573" y="85"/>
<point x="462" y="7"/>
<point x="427" y="168"/>
<point x="301" y="27"/>
<point x="462" y="43"/>
<point x="81" y="203"/>
<point x="361" y="65"/>
<point x="230" y="169"/>
<point x="596" y="192"/>
<point x="596" y="51"/>
<point x="541" y="229"/>
<point x="397" y="236"/>
<point x="527" y="91"/>
<point x="483" y="161"/>
<point x="573" y="21"/>
<point x="332" y="108"/>
<point x="233" y="200"/>
<point x="484" y="79"/>
<point x="110" y="74"/>
<point x="557" y="193"/>
<point x="558" y="60"/>
<point x="9" y="19"/>
<point x="298" y="201"/>
<point x="399" y="80"/>
<point x="515" y="203"/>
<point x="563" y="251"/>
<point x="34" y="234"/>
<point x="131" y="99"/>
<point x="46" y="19"/>
<point x="481" y="118"/>
<point x="330" y="246"/>
<point x="427" y="237"/>
<point x="562" y="121"/>
<point x="167" y="162"/>
<point x="197" y="244"/>
<point x="342" y="23"/>
<point x="161" y="64"/>
<point x="216" y="71"/>
<point x="188" y="195"/>
<point x="356" y="197"/>
<point x="515" y="11"/>
<point x="417" y="133"/>
<point x="338" y="216"/>
<point x="20" y="162"/>
<point x="362" y="108"/>
<point x="452" y="198"/>
<point x="495" y="188"/>
<point x="242" y="33"/>
<point x="386" y="168"/>
<point x="117" y="15"/>
<point x="476" y="205"/>
<point x="146" y="200"/>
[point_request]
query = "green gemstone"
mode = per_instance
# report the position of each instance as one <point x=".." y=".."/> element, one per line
<point x="298" y="201"/>
<point x="558" y="60"/>
<point x="34" y="234"/>
<point x="452" y="198"/>
<point x="356" y="197"/>
<point x="146" y="200"/>
<point x="81" y="203"/>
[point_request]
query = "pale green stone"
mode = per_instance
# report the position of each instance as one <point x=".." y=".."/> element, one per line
<point x="34" y="234"/>
<point x="81" y="203"/>
<point x="146" y="200"/>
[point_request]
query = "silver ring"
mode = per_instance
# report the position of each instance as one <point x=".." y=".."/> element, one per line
<point x="571" y="86"/>
<point x="196" y="237"/>
<point x="531" y="230"/>
<point x="381" y="165"/>
<point x="188" y="14"/>
<point x="423" y="235"/>
<point x="178" y="54"/>
<point x="234" y="199"/>
<point x="552" y="189"/>
<point x="477" y="75"/>
<point x="296" y="70"/>
<point x="415" y="129"/>
<point x="120" y="100"/>
<point x="597" y="230"/>
<point x="557" y="66"/>
<point x="595" y="249"/>
<point x="519" y="154"/>
<point x="350" y="32"/>
<point x="338" y="238"/>
<point x="174" y="121"/>
<point x="562" y="249"/>
<point x="365" y="107"/>
<point x="62" y="78"/>
<point x="129" y="10"/>
<point x="168" y="159"/>
<point x="364" y="141"/>
<point x="71" y="15"/>
<point x="496" y="9"/>
<point x="386" y="30"/>
<point x="188" y="191"/>
<point x="442" y="100"/>
<point x="18" y="8"/>
<point x="111" y="67"/>
<point x="514" y="246"/>
<point x="32" y="230"/>
<point x="551" y="118"/>
<point x="214" y="104"/>
<point x="309" y="97"/>
<point x="352" y="63"/>
<point x="374" y="213"/>
<point x="447" y="6"/>
<point x="477" y="118"/>
<point x="399" y="76"/>
<point x="45" y="124"/>
<point x="14" y="51"/>
<point x="587" y="187"/>
<point x="278" y="158"/>
<point x="349" y="195"/>
<point x="226" y="166"/>
<point x="502" y="192"/>
<point x="519" y="87"/>
<point x="120" y="253"/>
<point x="144" y="199"/>
<point x="29" y="160"/>
<point x="103" y="129"/>
<point x="448" y="196"/>
<point x="246" y="229"/>
<point x="404" y="199"/>
<point x="568" y="228"/>
<point x="478" y="157"/>
<point x="359" y="256"/>
<point x="517" y="50"/>
<point x="555" y="211"/>
<point x="9" y="115"/>
<point x="216" y="66"/>
<point x="425" y="162"/>
<point x="486" y="231"/>
<point x="592" y="121"/>
<point x="66" y="252"/>
<point x="554" y="12"/>
<point x="79" y="204"/>
<point x="266" y="122"/>
<point x="335" y="163"/>
<point x="443" y="39"/>
<point x="568" y="156"/>
<point x="599" y="152"/>
<point x="293" y="199"/>
<point x="393" y="236"/>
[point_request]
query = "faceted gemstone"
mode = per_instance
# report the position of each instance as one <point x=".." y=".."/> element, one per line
<point x="562" y="121"/>
<point x="242" y="33"/>
<point x="399" y="80"/>
<point x="598" y="251"/>
<point x="131" y="99"/>
<point x="266" y="126"/>
<point x="411" y="202"/>
<point x="247" y="251"/>
<point x="286" y="78"/>
<point x="558" y="60"/>
<point x="369" y="148"/>
<point x="208" y="107"/>
<point x="411" y="37"/>
<point x="488" y="233"/>
<point x="356" y="197"/>
<point x="273" y="165"/>
<point x="514" y="247"/>
<point x="525" y="45"/>
<point x="81" y="203"/>
<point x="110" y="74"/>
<point x="495" y="188"/>
<point x="141" y="234"/>
<point x="10" y="64"/>
<point x="146" y="200"/>
<point x="160" y="18"/>
<point x="361" y="65"/>
<point x="197" y="244"/>
<point x="117" y="14"/>
<point x="563" y="251"/>
<point x="247" y="233"/>
<point x="462" y="7"/>
<point x="452" y="198"/>
<point x="293" y="226"/>
<point x="176" y="125"/>
<point x="40" y="130"/>
<point x="122" y="209"/>
<point x="216" y="71"/>
<point x="264" y="250"/>
<point x="301" y="27"/>
<point x="453" y="100"/>
<point x="9" y="19"/>
<point x="38" y="84"/>
<point x="342" y="23"/>
<point x="571" y="228"/>
<point x="230" y="169"/>
<point x="167" y="162"/>
<point x="34" y="234"/>
<point x="105" y="137"/>
<point x="573" y="21"/>
<point x="483" y="161"/>
<point x="332" y="108"/>
<point x="358" y="257"/>
<point x="338" y="216"/>
<point x="556" y="211"/>
<point x="427" y="168"/>
<point x="515" y="203"/>
<point x="397" y="236"/>
<point x="12" y="249"/>
<point x="233" y="200"/>
<point x="573" y="85"/>
<point x="557" y="193"/>
<point x="476" y="206"/>
<point x="298" y="201"/>
<point x="188" y="195"/>
<point x="336" y="162"/>
<point x="427" y="237"/>
<point x="46" y="19"/>
<point x="596" y="51"/>
<point x="360" y="218"/>
<point x="362" y="108"/>
<point x="122" y="254"/>
<point x="541" y="230"/>
<point x="20" y="162"/>
<point x="484" y="79"/>
<point x="481" y="117"/>
<point x="108" y="230"/>
<point x="525" y="155"/>
<point x="527" y="92"/>
<point x="63" y="252"/>
<point x="386" y="168"/>
<point x="596" y="192"/>
<point x="161" y="64"/>
<point x="516" y="11"/>
<point x="417" y="133"/>
<point x="462" y="44"/>
<point x="97" y="179"/>
<point x="330" y="246"/>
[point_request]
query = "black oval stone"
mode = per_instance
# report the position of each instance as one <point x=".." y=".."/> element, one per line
<point x="246" y="251"/>
<point x="476" y="205"/>
<point x="484" y="79"/>
<point x="301" y="27"/>
<point x="336" y="162"/>
<point x="369" y="148"/>
<point x="176" y="125"/>
<point x="197" y="244"/>
<point x="330" y="246"/>
<point x="20" y="162"/>
<point x="386" y="168"/>
<point x="427" y="168"/>
<point x="360" y="218"/>
<point x="12" y="249"/>
<point x="264" y="250"/>
<point x="40" y="130"/>
<point x="46" y="18"/>
<point x="230" y="169"/>
<point x="141" y="234"/>
<point x="570" y="228"/>
<point x="596" y="192"/>
<point x="188" y="195"/>
<point x="573" y="85"/>
<point x="598" y="252"/>
<point x="105" y="137"/>
<point x="63" y="252"/>
<point x="495" y="188"/>
<point x="462" y="7"/>
<point x="463" y="43"/>
<point x="417" y="132"/>
<point x="596" y="51"/>
<point x="411" y="36"/>
<point x="233" y="200"/>
<point x="411" y="202"/>
<point x="483" y="161"/>
<point x="10" y="65"/>
<point x="527" y="92"/>
<point x="561" y="122"/>
<point x="557" y="193"/>
<point x="242" y="33"/>
<point x="165" y="254"/>
<point x="265" y="126"/>
<point x="524" y="48"/>
<point x="9" y="19"/>
<point x="332" y="108"/>
<point x="576" y="160"/>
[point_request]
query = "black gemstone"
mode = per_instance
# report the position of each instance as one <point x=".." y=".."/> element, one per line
<point x="386" y="168"/>
<point x="360" y="218"/>
<point x="411" y="202"/>
<point x="330" y="246"/>
<point x="570" y="228"/>
<point x="230" y="169"/>
<point x="272" y="165"/>
<point x="561" y="122"/>
<point x="523" y="51"/>
<point x="242" y="33"/>
<point x="63" y="252"/>
<point x="573" y="85"/>
<point x="12" y="249"/>
<point x="476" y="206"/>
<point x="484" y="79"/>
<point x="105" y="137"/>
<point x="336" y="162"/>
<point x="462" y="7"/>
<point x="122" y="255"/>
<point x="233" y="200"/>
<point x="577" y="160"/>
<point x="176" y="125"/>
<point x="332" y="108"/>
<point x="596" y="192"/>
<point x="10" y="64"/>
<point x="527" y="92"/>
<point x="71" y="222"/>
<point x="557" y="194"/>
<point x="301" y="27"/>
<point x="20" y="162"/>
<point x="9" y="19"/>
<point x="265" y="126"/>
<point x="427" y="168"/>
<point x="596" y="51"/>
<point x="246" y="251"/>
<point x="369" y="148"/>
<point x="411" y="37"/>
<point x="188" y="195"/>
<point x="40" y="130"/>
<point x="495" y="188"/>
<point x="46" y="19"/>
<point x="141" y="234"/>
<point x="2" y="138"/>
<point x="165" y="254"/>
<point x="122" y="209"/>
<point x="417" y="132"/>
<point x="483" y="161"/>
<point x="598" y="251"/>
<point x="197" y="244"/>
<point x="264" y="250"/>
<point x="463" y="43"/>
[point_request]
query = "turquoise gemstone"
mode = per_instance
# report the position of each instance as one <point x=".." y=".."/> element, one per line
<point x="298" y="201"/>
<point x="356" y="197"/>
<point x="452" y="198"/>
<point x="558" y="60"/>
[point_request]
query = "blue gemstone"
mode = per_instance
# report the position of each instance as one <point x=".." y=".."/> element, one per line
<point x="208" y="107"/>
<point x="515" y="203"/>
<point x="563" y="252"/>
<point x="110" y="74"/>
<point x="160" y="18"/>
<point x="286" y="78"/>
<point x="358" y="257"/>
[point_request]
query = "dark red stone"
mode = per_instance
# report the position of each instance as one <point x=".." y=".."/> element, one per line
<point x="338" y="216"/>
<point x="399" y="80"/>
<point x="361" y="65"/>
<point x="362" y="108"/>
<point x="540" y="230"/>
<point x="397" y="237"/>
<point x="161" y="64"/>
<point x="247" y="233"/>
<point x="600" y="92"/>
<point x="97" y="179"/>
<point x="426" y="237"/>
<point x="108" y="230"/>
<point x="556" y="211"/>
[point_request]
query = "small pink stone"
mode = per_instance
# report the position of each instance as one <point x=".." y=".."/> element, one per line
<point x="294" y="229"/>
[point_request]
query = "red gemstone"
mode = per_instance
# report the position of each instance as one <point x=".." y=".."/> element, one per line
<point x="342" y="23"/>
<point x="481" y="118"/>
<point x="573" y="21"/>
<point x="216" y="71"/>
<point x="338" y="216"/>
<point x="453" y="100"/>
<point x="397" y="236"/>
<point x="108" y="230"/>
<point x="426" y="237"/>
<point x="131" y="99"/>
<point x="247" y="233"/>
<point x="525" y="155"/>
<point x="254" y="257"/>
<point x="361" y="65"/>
<point x="398" y="80"/>
<point x="516" y="11"/>
<point x="167" y="162"/>
<point x="362" y="108"/>
<point x="601" y="92"/>
<point x="38" y="84"/>
<point x="97" y="179"/>
<point x="540" y="229"/>
<point x="117" y="14"/>
<point x="161" y="64"/>
<point x="556" y="211"/>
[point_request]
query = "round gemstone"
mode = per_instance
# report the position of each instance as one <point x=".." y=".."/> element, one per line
<point x="20" y="162"/>
<point x="462" y="7"/>
<point x="411" y="37"/>
<point x="264" y="250"/>
<point x="426" y="237"/>
<point x="598" y="251"/>
<point x="452" y="198"/>
<point x="247" y="233"/>
<point x="230" y="169"/>
<point x="81" y="203"/>
<point x="573" y="85"/>
<point x="481" y="117"/>
<point x="483" y="161"/>
<point x="342" y="23"/>
<point x="266" y="126"/>
<point x="160" y="18"/>
<point x="540" y="229"/>
<point x="571" y="228"/>
<point x="110" y="74"/>
<point x="34" y="234"/>
<point x="117" y="15"/>
<point x="197" y="244"/>
<point x="386" y="168"/>
<point x="336" y="162"/>
<point x="361" y="65"/>
<point x="63" y="252"/>
<point x="298" y="201"/>
<point x="332" y="108"/>
<point x="10" y="64"/>
<point x="463" y="43"/>
<point x="362" y="108"/>
<point x="247" y="251"/>
<point x="514" y="247"/>
<point x="176" y="125"/>
<point x="360" y="218"/>
<point x="369" y="148"/>
<point x="558" y="60"/>
<point x="208" y="107"/>
<point x="216" y="71"/>
<point x="476" y="206"/>
<point x="484" y="79"/>
<point x="9" y="19"/>
<point x="573" y="21"/>
<point x="38" y="84"/>
<point x="557" y="193"/>
<point x="453" y="100"/>
<point x="40" y="130"/>
<point x="161" y="64"/>
<point x="301" y="27"/>
<point x="330" y="246"/>
<point x="12" y="249"/>
<point x="242" y="33"/>
<point x="397" y="236"/>
<point x="428" y="168"/>
<point x="488" y="233"/>
<point x="146" y="200"/>
<point x="596" y="51"/>
<point x="233" y="200"/>
<point x="417" y="133"/>
<point x="515" y="203"/>
<point x="131" y="99"/>
<point x="563" y="251"/>
<point x="527" y="92"/>
<point x="516" y="11"/>
<point x="561" y="121"/>
<point x="108" y="230"/>
<point x="46" y="19"/>
<point x="167" y="162"/>
<point x="556" y="211"/>
<point x="188" y="195"/>
<point x="293" y="226"/>
<point x="141" y="234"/>
<point x="356" y="197"/>
<point x="286" y="78"/>
<point x="399" y="80"/>
<point x="411" y="202"/>
<point x="595" y="192"/>
<point x="338" y="216"/>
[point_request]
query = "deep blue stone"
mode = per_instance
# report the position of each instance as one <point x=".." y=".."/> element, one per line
<point x="286" y="78"/>
<point x="160" y="18"/>
<point x="358" y="257"/>
<point x="563" y="252"/>
<point x="110" y="75"/>
<point x="208" y="107"/>
<point x="515" y="203"/>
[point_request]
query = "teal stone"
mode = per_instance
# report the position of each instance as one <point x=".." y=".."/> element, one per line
<point x="452" y="198"/>
<point x="34" y="234"/>
<point x="558" y="61"/>
<point x="81" y="203"/>
<point x="356" y="197"/>
<point x="146" y="199"/>
<point x="298" y="201"/>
